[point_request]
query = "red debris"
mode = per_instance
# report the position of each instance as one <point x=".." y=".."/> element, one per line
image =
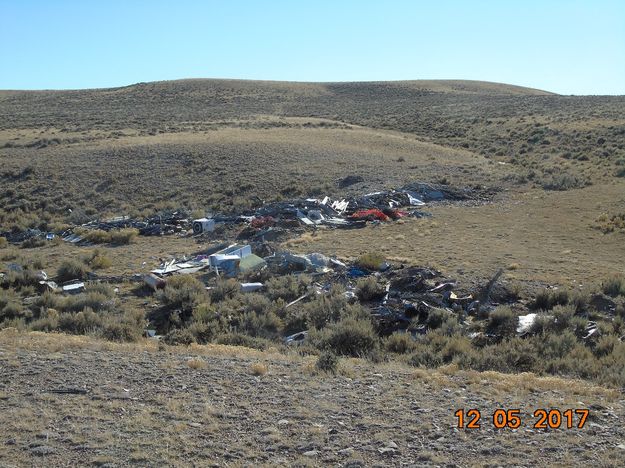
<point x="375" y="214"/>
<point x="262" y="222"/>
<point x="370" y="215"/>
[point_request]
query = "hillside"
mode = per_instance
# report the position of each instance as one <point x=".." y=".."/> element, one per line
<point x="537" y="132"/>
<point x="353" y="334"/>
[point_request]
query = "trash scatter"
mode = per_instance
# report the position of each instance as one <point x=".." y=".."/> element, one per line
<point x="272" y="221"/>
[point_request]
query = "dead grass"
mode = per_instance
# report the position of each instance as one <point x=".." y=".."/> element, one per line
<point x="526" y="231"/>
<point x="196" y="364"/>
<point x="259" y="368"/>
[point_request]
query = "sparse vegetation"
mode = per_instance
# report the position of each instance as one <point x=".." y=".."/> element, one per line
<point x="614" y="286"/>
<point x="259" y="368"/>
<point x="71" y="270"/>
<point x="371" y="261"/>
<point x="327" y="362"/>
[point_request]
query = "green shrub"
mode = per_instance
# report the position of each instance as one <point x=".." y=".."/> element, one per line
<point x="3" y="243"/>
<point x="555" y="345"/>
<point x="45" y="324"/>
<point x="33" y="242"/>
<point x="205" y="332"/>
<point x="425" y="357"/>
<point x="327" y="362"/>
<point x="124" y="236"/>
<point x="287" y="287"/>
<point x="400" y="343"/>
<point x="81" y="323"/>
<point x="436" y="318"/>
<point x="128" y="326"/>
<point x="547" y="299"/>
<point x="368" y="289"/>
<point x="179" y="336"/>
<point x="502" y="321"/>
<point x="98" y="260"/>
<point x="456" y="346"/>
<point x="264" y="325"/>
<point x="563" y="181"/>
<point x="562" y="316"/>
<point x="238" y="339"/>
<point x="70" y="270"/>
<point x="325" y="309"/>
<point x="605" y="345"/>
<point x="98" y="287"/>
<point x="225" y="289"/>
<point x="21" y="281"/>
<point x="95" y="236"/>
<point x="614" y="285"/>
<point x="350" y="337"/>
<point x="94" y="300"/>
<point x="182" y="293"/>
<point x="371" y="261"/>
<point x="11" y="306"/>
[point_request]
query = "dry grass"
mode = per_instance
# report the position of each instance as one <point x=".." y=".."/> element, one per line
<point x="259" y="368"/>
<point x="175" y="417"/>
<point x="196" y="364"/>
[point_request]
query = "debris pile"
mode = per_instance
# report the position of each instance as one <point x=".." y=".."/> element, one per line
<point x="276" y="220"/>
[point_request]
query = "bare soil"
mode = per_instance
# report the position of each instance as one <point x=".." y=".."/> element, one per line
<point x="204" y="406"/>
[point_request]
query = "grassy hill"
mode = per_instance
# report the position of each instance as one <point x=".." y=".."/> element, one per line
<point x="554" y="169"/>
<point x="189" y="130"/>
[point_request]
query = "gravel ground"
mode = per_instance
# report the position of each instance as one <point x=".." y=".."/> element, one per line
<point x="199" y="406"/>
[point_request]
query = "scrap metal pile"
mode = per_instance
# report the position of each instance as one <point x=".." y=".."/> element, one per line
<point x="276" y="219"/>
<point x="404" y="296"/>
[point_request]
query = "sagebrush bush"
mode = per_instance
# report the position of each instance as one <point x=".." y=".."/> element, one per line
<point x="562" y="316"/>
<point x="370" y="261"/>
<point x="95" y="236"/>
<point x="70" y="270"/>
<point x="82" y="323"/>
<point x="11" y="306"/>
<point x="98" y="260"/>
<point x="547" y="299"/>
<point x="436" y="318"/>
<point x="179" y="336"/>
<point x="614" y="285"/>
<point x="182" y="293"/>
<point x="502" y="321"/>
<point x="400" y="343"/>
<point x="264" y="325"/>
<point x="350" y="337"/>
<point x="325" y="309"/>
<point x="124" y="236"/>
<point x="456" y="346"/>
<point x="369" y="289"/>
<point x="327" y="362"/>
<point x="424" y="356"/>
<point x="95" y="301"/>
<point x="238" y="339"/>
<point x="225" y="289"/>
<point x="33" y="242"/>
<point x="287" y="287"/>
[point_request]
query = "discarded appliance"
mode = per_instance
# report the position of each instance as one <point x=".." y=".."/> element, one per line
<point x="203" y="225"/>
<point x="73" y="287"/>
<point x="232" y="252"/>
<point x="251" y="287"/>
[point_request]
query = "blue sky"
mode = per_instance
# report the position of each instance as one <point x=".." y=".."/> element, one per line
<point x="569" y="47"/>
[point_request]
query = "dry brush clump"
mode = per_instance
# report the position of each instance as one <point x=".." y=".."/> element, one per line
<point x="71" y="270"/>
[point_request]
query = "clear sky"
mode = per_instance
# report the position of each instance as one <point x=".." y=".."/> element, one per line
<point x="565" y="46"/>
